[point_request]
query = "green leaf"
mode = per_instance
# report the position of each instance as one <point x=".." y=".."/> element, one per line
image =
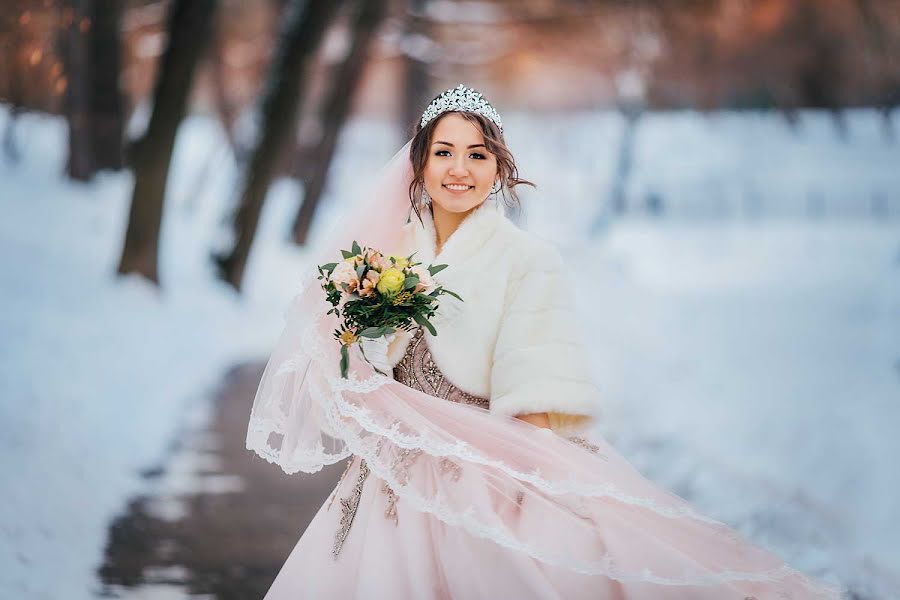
<point x="360" y="271"/>
<point x="346" y="253"/>
<point x="374" y="332"/>
<point x="345" y="361"/>
<point x="424" y="323"/>
<point x="455" y="295"/>
<point x="436" y="268"/>
<point x="410" y="282"/>
<point x="328" y="268"/>
<point x="355" y="249"/>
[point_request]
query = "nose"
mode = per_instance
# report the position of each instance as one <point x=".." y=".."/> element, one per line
<point x="458" y="168"/>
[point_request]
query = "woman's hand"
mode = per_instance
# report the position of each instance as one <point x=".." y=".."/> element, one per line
<point x="536" y="419"/>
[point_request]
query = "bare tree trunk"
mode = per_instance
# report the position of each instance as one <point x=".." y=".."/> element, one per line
<point x="338" y="100"/>
<point x="94" y="105"/>
<point x="80" y="165"/>
<point x="616" y="205"/>
<point x="188" y="32"/>
<point x="12" y="72"/>
<point x="228" y="110"/>
<point x="10" y="146"/>
<point x="107" y="118"/>
<point x="417" y="92"/>
<point x="881" y="43"/>
<point x="304" y="26"/>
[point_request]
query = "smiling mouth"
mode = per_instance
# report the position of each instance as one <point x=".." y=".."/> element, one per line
<point x="453" y="187"/>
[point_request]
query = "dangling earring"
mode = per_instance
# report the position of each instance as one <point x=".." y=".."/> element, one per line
<point x="495" y="189"/>
<point x="426" y="199"/>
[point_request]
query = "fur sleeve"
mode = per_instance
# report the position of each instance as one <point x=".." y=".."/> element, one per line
<point x="539" y="363"/>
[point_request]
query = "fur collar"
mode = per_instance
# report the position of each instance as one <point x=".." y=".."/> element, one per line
<point x="474" y="231"/>
<point x="510" y="339"/>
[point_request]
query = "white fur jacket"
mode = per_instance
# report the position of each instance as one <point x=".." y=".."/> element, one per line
<point x="514" y="337"/>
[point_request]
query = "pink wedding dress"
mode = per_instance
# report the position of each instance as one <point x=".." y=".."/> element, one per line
<point x="444" y="499"/>
<point x="366" y="542"/>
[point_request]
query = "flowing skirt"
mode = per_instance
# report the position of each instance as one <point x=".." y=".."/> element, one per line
<point x="391" y="550"/>
<point x="444" y="499"/>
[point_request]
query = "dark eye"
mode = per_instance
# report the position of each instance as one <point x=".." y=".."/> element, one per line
<point x="477" y="155"/>
<point x="442" y="153"/>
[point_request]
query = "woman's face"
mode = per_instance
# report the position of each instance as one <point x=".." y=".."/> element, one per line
<point x="459" y="171"/>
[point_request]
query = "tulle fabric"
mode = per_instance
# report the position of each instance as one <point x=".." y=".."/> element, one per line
<point x="476" y="488"/>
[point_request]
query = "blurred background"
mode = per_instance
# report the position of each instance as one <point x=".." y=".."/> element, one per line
<point x="723" y="177"/>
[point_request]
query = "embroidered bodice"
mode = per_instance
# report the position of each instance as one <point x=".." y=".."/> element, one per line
<point x="418" y="370"/>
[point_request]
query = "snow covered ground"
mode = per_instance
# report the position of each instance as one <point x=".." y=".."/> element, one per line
<point x="755" y="369"/>
<point x="751" y="360"/>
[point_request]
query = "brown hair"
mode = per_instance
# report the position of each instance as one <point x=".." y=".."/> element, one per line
<point x="419" y="151"/>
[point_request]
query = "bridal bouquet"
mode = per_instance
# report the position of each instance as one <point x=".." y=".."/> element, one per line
<point x="375" y="294"/>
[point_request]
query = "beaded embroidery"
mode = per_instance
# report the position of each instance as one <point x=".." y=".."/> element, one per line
<point x="391" y="510"/>
<point x="340" y="481"/>
<point x="592" y="448"/>
<point x="448" y="466"/>
<point x="418" y="370"/>
<point x="348" y="509"/>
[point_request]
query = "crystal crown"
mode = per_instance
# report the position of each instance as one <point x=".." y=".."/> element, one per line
<point x="462" y="99"/>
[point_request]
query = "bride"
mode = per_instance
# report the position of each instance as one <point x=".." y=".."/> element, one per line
<point x="472" y="473"/>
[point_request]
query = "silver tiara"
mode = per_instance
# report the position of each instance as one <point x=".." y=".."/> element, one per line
<point x="462" y="99"/>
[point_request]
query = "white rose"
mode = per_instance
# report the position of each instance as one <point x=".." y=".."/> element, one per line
<point x="345" y="274"/>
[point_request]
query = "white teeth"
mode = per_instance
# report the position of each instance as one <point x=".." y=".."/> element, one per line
<point x="458" y="188"/>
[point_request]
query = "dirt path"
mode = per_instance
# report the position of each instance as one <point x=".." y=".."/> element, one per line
<point x="219" y="521"/>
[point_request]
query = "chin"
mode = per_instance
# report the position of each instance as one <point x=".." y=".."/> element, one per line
<point x="459" y="205"/>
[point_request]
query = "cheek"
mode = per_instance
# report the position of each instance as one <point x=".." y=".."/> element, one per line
<point x="488" y="174"/>
<point x="431" y="171"/>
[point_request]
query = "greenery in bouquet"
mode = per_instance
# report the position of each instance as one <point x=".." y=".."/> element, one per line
<point x="375" y="294"/>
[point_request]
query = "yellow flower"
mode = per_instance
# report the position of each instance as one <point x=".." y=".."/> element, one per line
<point x="401" y="298"/>
<point x="400" y="262"/>
<point x="391" y="281"/>
<point x="347" y="337"/>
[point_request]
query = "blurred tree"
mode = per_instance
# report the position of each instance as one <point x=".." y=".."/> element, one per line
<point x="106" y="104"/>
<point x="286" y="83"/>
<point x="228" y="109"/>
<point x="12" y="75"/>
<point x="188" y="30"/>
<point x="883" y="48"/>
<point x="416" y="42"/>
<point x="94" y="105"/>
<point x="80" y="164"/>
<point x="338" y="100"/>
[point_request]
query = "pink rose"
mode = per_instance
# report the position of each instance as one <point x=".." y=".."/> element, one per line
<point x="377" y="261"/>
<point x="426" y="282"/>
<point x="367" y="286"/>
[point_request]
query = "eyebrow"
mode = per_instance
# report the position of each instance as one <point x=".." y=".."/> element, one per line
<point x="452" y="146"/>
